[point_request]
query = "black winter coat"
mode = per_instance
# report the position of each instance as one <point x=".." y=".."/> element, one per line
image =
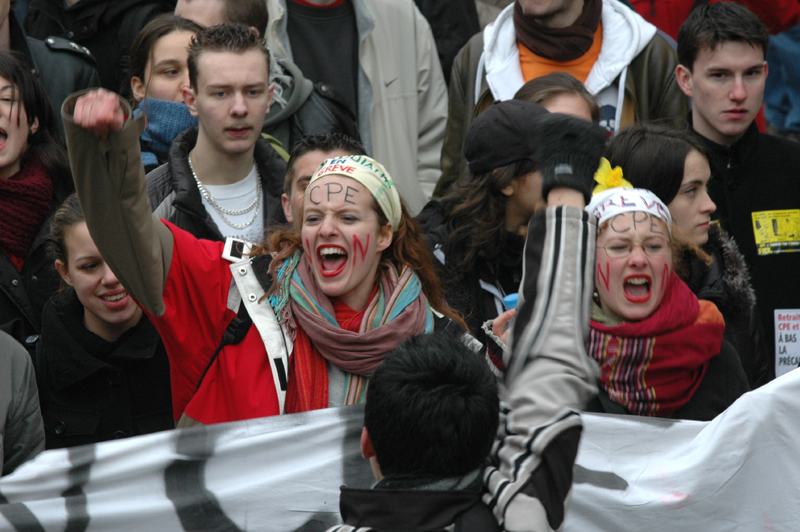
<point x="62" y="66"/>
<point x="174" y="195"/>
<point x="726" y="283"/>
<point x="756" y="188"/>
<point x="24" y="294"/>
<point x="106" y="27"/>
<point x="103" y="391"/>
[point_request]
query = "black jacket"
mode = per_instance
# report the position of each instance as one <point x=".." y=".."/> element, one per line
<point x="24" y="294"/>
<point x="107" y="28"/>
<point x="726" y="283"/>
<point x="753" y="180"/>
<point x="174" y="195"/>
<point x="86" y="399"/>
<point x="479" y="292"/>
<point x="413" y="510"/>
<point x="62" y="66"/>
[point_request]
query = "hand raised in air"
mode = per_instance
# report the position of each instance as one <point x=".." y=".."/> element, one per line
<point x="99" y="111"/>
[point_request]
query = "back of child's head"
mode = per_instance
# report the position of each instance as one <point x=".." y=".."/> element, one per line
<point x="432" y="409"/>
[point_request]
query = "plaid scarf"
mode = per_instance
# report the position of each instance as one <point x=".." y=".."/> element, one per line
<point x="356" y="342"/>
<point x="653" y="367"/>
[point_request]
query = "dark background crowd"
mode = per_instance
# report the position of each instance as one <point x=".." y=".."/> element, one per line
<point x="455" y="211"/>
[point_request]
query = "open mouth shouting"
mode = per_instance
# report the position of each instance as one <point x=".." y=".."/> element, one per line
<point x="637" y="288"/>
<point x="332" y="260"/>
<point x="3" y="138"/>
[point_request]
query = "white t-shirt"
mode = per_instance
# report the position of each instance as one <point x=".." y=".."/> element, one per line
<point x="235" y="197"/>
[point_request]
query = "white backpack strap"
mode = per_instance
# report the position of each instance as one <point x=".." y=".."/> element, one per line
<point x="278" y="344"/>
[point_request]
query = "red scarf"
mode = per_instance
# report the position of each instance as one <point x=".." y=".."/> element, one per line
<point x="24" y="204"/>
<point x="653" y="367"/>
<point x="308" y="386"/>
<point x="559" y="44"/>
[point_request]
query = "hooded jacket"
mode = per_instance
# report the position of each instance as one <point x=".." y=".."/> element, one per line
<point x="301" y="108"/>
<point x="174" y="195"/>
<point x="488" y="69"/>
<point x="402" y="95"/>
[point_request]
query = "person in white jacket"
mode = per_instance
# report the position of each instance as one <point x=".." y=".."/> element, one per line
<point x="400" y="92"/>
<point x="603" y="43"/>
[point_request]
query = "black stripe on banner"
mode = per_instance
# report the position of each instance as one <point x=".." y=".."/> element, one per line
<point x="20" y="517"/>
<point x="81" y="459"/>
<point x="197" y="508"/>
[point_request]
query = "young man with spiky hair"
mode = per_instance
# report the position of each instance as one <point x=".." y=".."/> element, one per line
<point x="222" y="178"/>
<point x="721" y="50"/>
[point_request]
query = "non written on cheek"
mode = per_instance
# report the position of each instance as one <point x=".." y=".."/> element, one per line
<point x="307" y="248"/>
<point x="664" y="276"/>
<point x="356" y="246"/>
<point x="601" y="277"/>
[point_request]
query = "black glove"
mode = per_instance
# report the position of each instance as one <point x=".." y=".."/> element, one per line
<point x="569" y="150"/>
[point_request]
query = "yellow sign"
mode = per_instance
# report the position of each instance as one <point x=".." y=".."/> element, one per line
<point x="777" y="231"/>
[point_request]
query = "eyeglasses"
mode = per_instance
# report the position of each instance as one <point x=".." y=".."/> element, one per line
<point x="652" y="247"/>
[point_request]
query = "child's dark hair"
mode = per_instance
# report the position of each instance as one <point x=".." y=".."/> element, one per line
<point x="324" y="142"/>
<point x="46" y="144"/>
<point x="227" y="37"/>
<point x="142" y="47"/>
<point x="711" y="25"/>
<point x="67" y="216"/>
<point x="432" y="409"/>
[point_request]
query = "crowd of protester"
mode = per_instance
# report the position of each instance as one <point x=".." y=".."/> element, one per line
<point x="219" y="210"/>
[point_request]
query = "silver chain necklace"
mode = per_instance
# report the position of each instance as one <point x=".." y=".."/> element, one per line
<point x="222" y="211"/>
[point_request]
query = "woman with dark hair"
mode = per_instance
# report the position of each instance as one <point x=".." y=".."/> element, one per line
<point x="296" y="324"/>
<point x="560" y="92"/>
<point x="101" y="370"/>
<point x="157" y="77"/>
<point x="674" y="166"/>
<point x="34" y="180"/>
<point x="476" y="231"/>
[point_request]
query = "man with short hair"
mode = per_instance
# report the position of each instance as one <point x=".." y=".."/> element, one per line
<point x="380" y="58"/>
<point x="429" y="423"/>
<point x="721" y="49"/>
<point x="306" y="158"/>
<point x="606" y="45"/>
<point x="222" y="179"/>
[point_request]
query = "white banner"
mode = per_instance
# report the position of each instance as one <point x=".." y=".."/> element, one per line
<point x="738" y="472"/>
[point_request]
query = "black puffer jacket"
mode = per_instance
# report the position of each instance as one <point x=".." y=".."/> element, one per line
<point x="91" y="390"/>
<point x="174" y="195"/>
<point x="107" y="28"/>
<point x="24" y="294"/>
<point x="726" y="283"/>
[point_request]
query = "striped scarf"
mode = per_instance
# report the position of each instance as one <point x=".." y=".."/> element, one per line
<point x="653" y="367"/>
<point x="355" y="342"/>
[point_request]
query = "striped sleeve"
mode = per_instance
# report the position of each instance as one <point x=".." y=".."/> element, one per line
<point x="549" y="377"/>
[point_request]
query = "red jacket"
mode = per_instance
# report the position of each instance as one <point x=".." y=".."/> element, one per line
<point x="239" y="385"/>
<point x="668" y="15"/>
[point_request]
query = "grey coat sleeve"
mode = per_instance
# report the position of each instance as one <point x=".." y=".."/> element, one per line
<point x="111" y="185"/>
<point x="549" y="377"/>
<point x="22" y="431"/>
